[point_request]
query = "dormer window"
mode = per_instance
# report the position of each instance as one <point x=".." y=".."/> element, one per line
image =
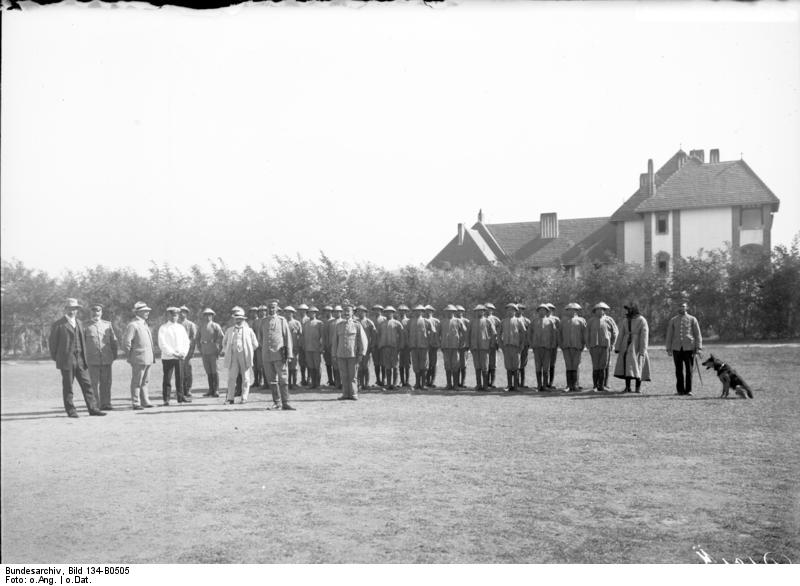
<point x="662" y="223"/>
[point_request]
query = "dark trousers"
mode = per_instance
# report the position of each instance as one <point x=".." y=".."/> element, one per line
<point x="166" y="387"/>
<point x="684" y="360"/>
<point x="77" y="371"/>
<point x="187" y="376"/>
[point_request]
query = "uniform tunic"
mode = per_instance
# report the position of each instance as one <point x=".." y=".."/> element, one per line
<point x="601" y="334"/>
<point x="542" y="337"/>
<point x="313" y="340"/>
<point x="511" y="338"/>
<point x="419" y="334"/>
<point x="481" y="336"/>
<point x="573" y="341"/>
<point x="453" y="336"/>
<point x="349" y="346"/>
<point x="390" y="337"/>
<point x="101" y="350"/>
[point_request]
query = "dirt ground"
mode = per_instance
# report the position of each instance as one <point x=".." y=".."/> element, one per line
<point x="431" y="477"/>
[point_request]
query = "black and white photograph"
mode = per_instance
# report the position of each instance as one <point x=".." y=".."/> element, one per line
<point x="420" y="283"/>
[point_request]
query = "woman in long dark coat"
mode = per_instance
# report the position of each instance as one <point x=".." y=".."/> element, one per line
<point x="631" y="347"/>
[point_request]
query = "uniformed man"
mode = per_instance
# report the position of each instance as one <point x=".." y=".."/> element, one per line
<point x="378" y="318"/>
<point x="209" y="340"/>
<point x="390" y="336"/>
<point x="481" y="333"/>
<point x="67" y="345"/>
<point x="572" y="340"/>
<point x="349" y="346"/>
<point x="601" y="335"/>
<point x="453" y="334"/>
<point x="313" y="343"/>
<point x="493" y="345"/>
<point x="101" y="351"/>
<point x="523" y="354"/>
<point x="461" y="374"/>
<point x="542" y="338"/>
<point x="296" y="329"/>
<point x="326" y="341"/>
<point x="511" y="339"/>
<point x="277" y="351"/>
<point x="420" y="331"/>
<point x="302" y="317"/>
<point x="434" y="342"/>
<point x="405" y="350"/>
<point x="554" y="354"/>
<point x="684" y="340"/>
<point x="336" y="315"/>
<point x="191" y="331"/>
<point x="239" y="345"/>
<point x="362" y="376"/>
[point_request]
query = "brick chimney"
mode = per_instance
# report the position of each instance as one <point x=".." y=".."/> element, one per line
<point x="713" y="156"/>
<point x="460" y="234"/>
<point x="480" y="215"/>
<point x="681" y="159"/>
<point x="651" y="178"/>
<point x="548" y="225"/>
<point x="699" y="154"/>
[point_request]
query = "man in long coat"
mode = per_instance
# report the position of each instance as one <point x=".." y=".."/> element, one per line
<point x="239" y="346"/>
<point x="633" y="362"/>
<point x="68" y="348"/>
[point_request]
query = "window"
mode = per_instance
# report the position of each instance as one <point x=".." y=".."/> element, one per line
<point x="662" y="262"/>
<point x="662" y="223"/>
<point x="751" y="219"/>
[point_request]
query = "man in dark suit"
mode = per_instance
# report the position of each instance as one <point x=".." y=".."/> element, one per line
<point x="68" y="349"/>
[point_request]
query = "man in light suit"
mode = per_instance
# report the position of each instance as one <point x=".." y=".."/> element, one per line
<point x="238" y="349"/>
<point x="68" y="349"/>
<point x="101" y="351"/>
<point x="276" y="340"/>
<point x="137" y="344"/>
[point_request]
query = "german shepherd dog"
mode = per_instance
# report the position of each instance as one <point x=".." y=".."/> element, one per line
<point x="729" y="377"/>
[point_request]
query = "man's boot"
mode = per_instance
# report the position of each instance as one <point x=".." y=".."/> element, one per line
<point x="509" y="381"/>
<point x="490" y="378"/>
<point x="605" y="380"/>
<point x="449" y="377"/>
<point x="521" y="378"/>
<point x="638" y="386"/>
<point x="328" y="371"/>
<point x="416" y="381"/>
<point x="463" y="384"/>
<point x="478" y="380"/>
<point x="433" y="377"/>
<point x="539" y="386"/>
<point x="551" y="376"/>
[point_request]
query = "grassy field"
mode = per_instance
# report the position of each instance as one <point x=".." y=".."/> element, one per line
<point x="431" y="477"/>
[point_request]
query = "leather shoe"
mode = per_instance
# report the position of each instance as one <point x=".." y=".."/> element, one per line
<point x="138" y="408"/>
<point x="107" y="408"/>
<point x="274" y="407"/>
<point x="149" y="406"/>
<point x="288" y="408"/>
<point x="97" y="413"/>
<point x="72" y="414"/>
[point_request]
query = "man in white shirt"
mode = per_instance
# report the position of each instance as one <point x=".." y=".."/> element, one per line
<point x="174" y="343"/>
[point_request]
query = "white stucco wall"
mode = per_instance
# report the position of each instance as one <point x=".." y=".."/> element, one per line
<point x="706" y="228"/>
<point x="634" y="242"/>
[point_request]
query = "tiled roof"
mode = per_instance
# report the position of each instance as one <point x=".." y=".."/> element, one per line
<point x="521" y="241"/>
<point x="599" y="246"/>
<point x="473" y="250"/>
<point x="699" y="185"/>
<point x="627" y="211"/>
<point x="482" y="245"/>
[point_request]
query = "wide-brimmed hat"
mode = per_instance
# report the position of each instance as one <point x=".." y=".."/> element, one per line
<point x="337" y="308"/>
<point x="378" y="306"/>
<point x="289" y="308"/>
<point x="479" y="307"/>
<point x="489" y="306"/>
<point x="262" y="307"/>
<point x="313" y="308"/>
<point x="601" y="305"/>
<point x="238" y="314"/>
<point x="419" y="307"/>
<point x="389" y="308"/>
<point x="173" y="309"/>
<point x="450" y="307"/>
<point x="253" y="308"/>
<point x="361" y="308"/>
<point x="513" y="306"/>
<point x="403" y="307"/>
<point x="460" y="308"/>
<point x="521" y="306"/>
<point x="550" y="306"/>
<point x="273" y="300"/>
<point x="303" y="306"/>
<point x="184" y="308"/>
<point x="347" y="303"/>
<point x="543" y="306"/>
<point x="327" y="308"/>
<point x="236" y="308"/>
<point x="208" y="310"/>
<point x="72" y="303"/>
<point x="573" y="305"/>
<point x="430" y="308"/>
<point x="141" y="306"/>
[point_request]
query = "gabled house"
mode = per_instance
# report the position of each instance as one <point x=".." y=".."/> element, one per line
<point x="684" y="207"/>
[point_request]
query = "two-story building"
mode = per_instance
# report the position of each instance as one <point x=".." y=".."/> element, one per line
<point x="685" y="207"/>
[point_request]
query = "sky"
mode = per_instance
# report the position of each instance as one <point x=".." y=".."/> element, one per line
<point x="132" y="135"/>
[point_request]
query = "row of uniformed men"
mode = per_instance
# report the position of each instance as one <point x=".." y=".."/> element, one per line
<point x="345" y="342"/>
